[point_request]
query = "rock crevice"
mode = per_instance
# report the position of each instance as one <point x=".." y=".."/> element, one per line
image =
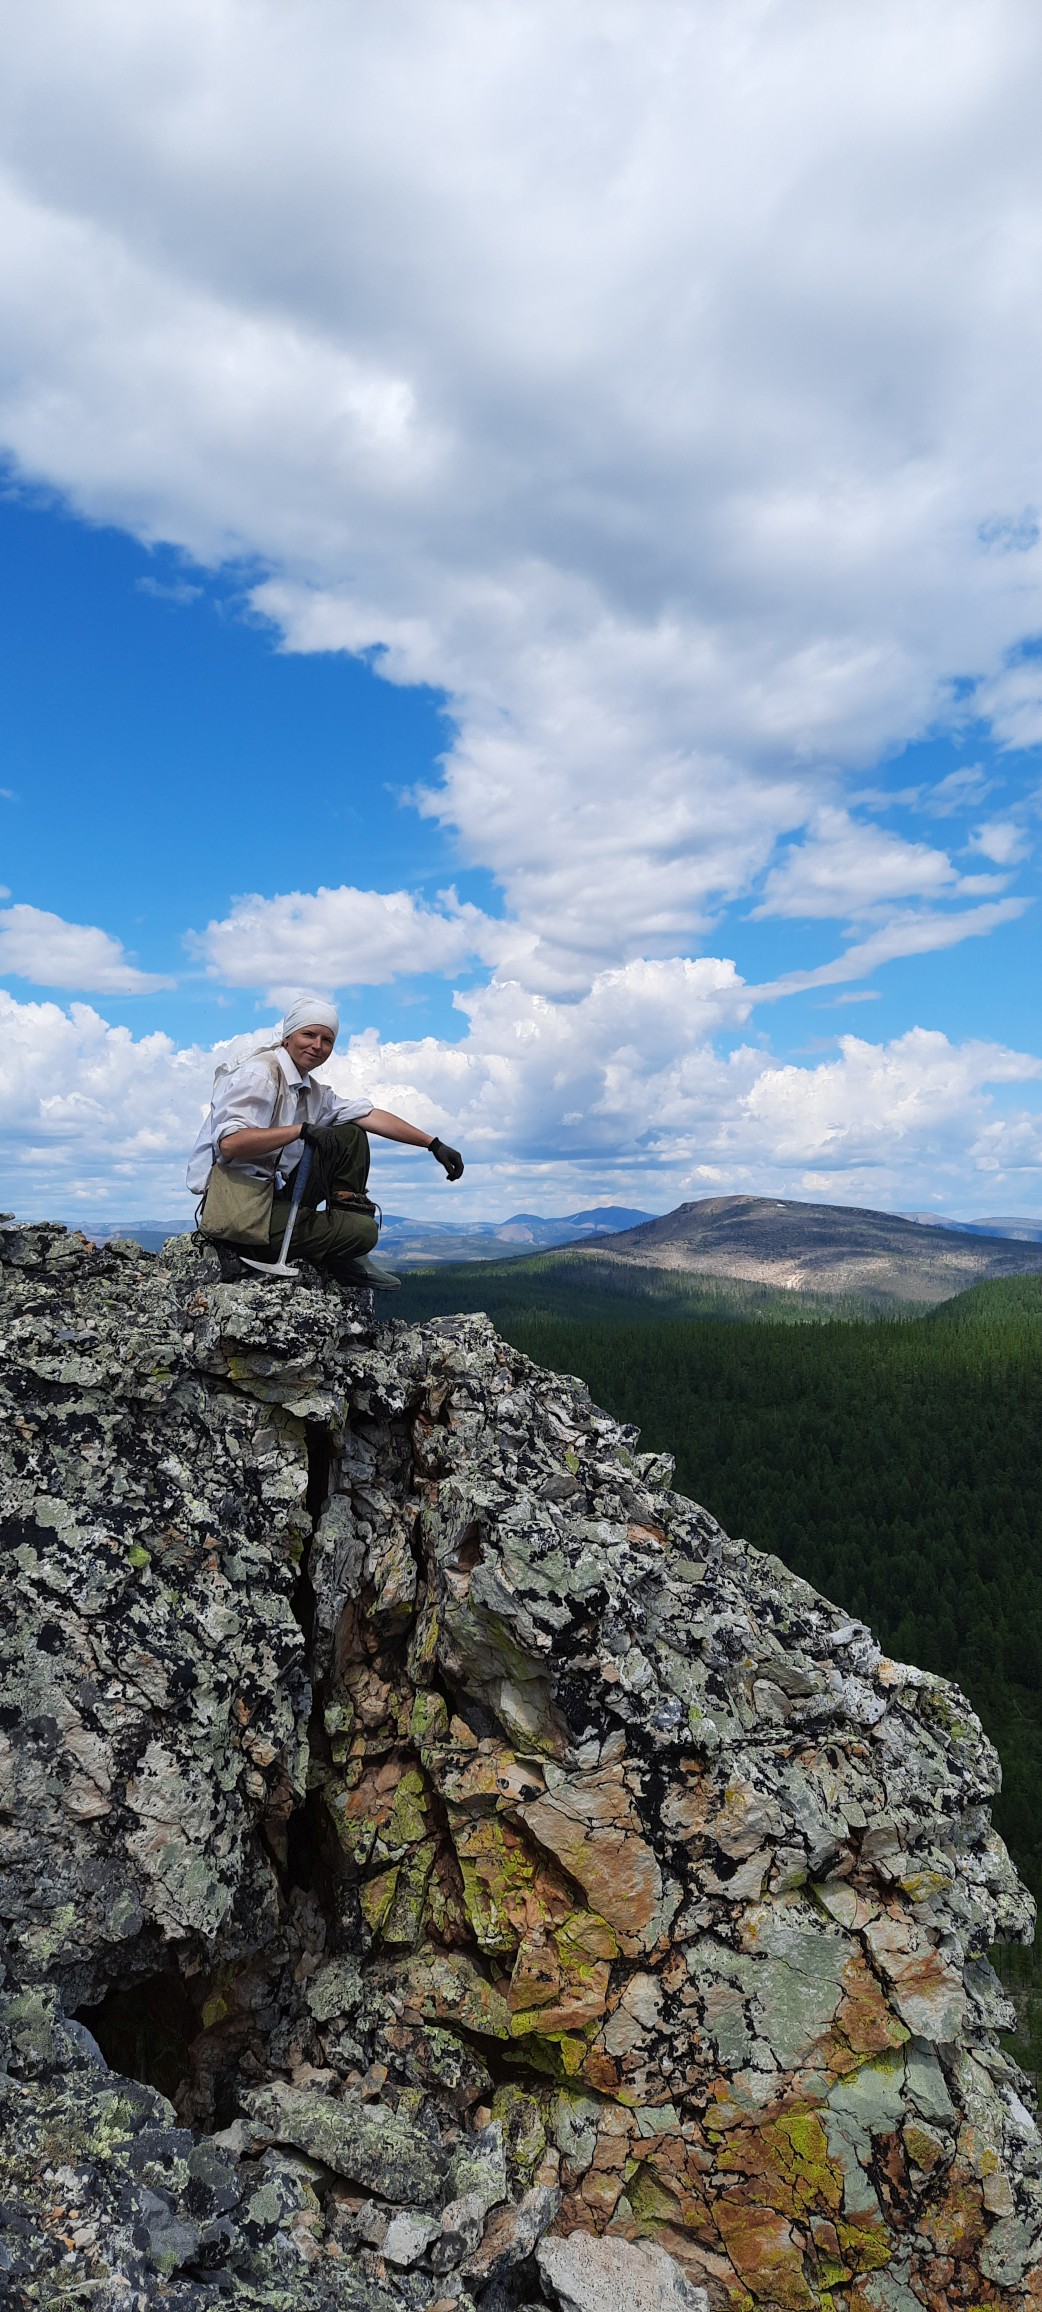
<point x="440" y="1866"/>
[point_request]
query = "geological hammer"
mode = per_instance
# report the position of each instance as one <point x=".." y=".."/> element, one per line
<point x="281" y="1266"/>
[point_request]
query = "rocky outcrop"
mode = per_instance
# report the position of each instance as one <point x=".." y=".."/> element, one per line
<point x="440" y="1867"/>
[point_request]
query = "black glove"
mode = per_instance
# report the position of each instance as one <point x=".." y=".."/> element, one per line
<point x="449" y="1157"/>
<point x="312" y="1135"/>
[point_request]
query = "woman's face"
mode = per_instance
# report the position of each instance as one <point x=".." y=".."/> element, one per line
<point x="308" y="1047"/>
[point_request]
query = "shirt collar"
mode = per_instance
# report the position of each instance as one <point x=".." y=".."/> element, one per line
<point x="290" y="1071"/>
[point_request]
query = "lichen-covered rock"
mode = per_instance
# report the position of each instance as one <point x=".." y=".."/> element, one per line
<point x="367" y="2143"/>
<point x="591" y="2275"/>
<point x="477" y="1870"/>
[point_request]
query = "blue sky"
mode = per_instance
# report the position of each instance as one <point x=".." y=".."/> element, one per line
<point x="533" y="529"/>
<point x="143" y="702"/>
<point x="161" y="754"/>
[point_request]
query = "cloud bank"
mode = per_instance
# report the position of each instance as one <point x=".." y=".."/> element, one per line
<point x="627" y="1086"/>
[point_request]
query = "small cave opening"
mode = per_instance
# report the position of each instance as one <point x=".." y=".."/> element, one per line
<point x="145" y="2030"/>
<point x="469" y="1548"/>
<point x="312" y="1856"/>
<point x="320" y="1463"/>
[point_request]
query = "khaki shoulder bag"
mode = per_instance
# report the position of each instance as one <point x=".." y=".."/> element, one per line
<point x="236" y="1208"/>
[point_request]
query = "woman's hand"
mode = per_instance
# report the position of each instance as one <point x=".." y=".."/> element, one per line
<point x="449" y="1158"/>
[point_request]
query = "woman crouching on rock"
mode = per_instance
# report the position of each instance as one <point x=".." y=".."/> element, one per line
<point x="265" y="1110"/>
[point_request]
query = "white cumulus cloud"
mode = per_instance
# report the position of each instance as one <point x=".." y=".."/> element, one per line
<point x="343" y="938"/>
<point x="1002" y="840"/>
<point x="41" y="947"/>
<point x="624" y="1095"/>
<point x="846" y="867"/>
<point x="882" y="1104"/>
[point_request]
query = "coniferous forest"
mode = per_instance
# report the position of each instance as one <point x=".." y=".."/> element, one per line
<point x="896" y="1464"/>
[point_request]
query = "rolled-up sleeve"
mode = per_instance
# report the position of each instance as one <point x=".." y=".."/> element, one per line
<point x="348" y="1109"/>
<point x="353" y="1111"/>
<point x="243" y="1102"/>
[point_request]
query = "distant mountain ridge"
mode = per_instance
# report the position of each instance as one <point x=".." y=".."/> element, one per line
<point x="817" y="1248"/>
<point x="1017" y="1225"/>
<point x="889" y="1258"/>
<point x="416" y="1243"/>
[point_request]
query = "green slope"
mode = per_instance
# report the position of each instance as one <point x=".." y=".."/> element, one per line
<point x="1011" y="1302"/>
<point x="557" y="1285"/>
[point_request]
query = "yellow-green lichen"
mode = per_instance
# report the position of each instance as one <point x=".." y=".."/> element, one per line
<point x="376" y="1897"/>
<point x="402" y="1923"/>
<point x="523" y="2125"/>
<point x="429" y="1719"/>
<point x="867" y="2245"/>
<point x="648" y="2197"/>
<point x="408" y="1819"/>
<point x="559" y="2054"/>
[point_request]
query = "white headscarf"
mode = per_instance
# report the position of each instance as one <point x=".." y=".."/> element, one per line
<point x="310" y="1011"/>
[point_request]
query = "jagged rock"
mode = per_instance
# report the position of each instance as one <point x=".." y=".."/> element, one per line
<point x="452" y="1839"/>
<point x="479" y="2168"/>
<point x="407" y="2238"/>
<point x="462" y="2225"/>
<point x="366" y="2143"/>
<point x="591" y="2275"/>
<point x="512" y="2234"/>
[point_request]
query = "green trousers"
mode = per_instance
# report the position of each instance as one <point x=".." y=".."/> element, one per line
<point x="334" y="1238"/>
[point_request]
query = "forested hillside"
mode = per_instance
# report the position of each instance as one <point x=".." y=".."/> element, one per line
<point x="582" y="1285"/>
<point x="897" y="1465"/>
<point x="884" y="1257"/>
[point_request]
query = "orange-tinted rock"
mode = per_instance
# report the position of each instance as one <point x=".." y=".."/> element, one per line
<point x="600" y="2192"/>
<point x="864" y="2017"/>
<point x="955" y="2222"/>
<point x="927" y="1994"/>
<point x="591" y="1823"/>
<point x="765" y="2255"/>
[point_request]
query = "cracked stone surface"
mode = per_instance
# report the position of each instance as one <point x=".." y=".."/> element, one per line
<point x="441" y="1868"/>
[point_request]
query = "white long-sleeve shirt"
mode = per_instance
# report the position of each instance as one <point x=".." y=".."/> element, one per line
<point x="264" y="1090"/>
